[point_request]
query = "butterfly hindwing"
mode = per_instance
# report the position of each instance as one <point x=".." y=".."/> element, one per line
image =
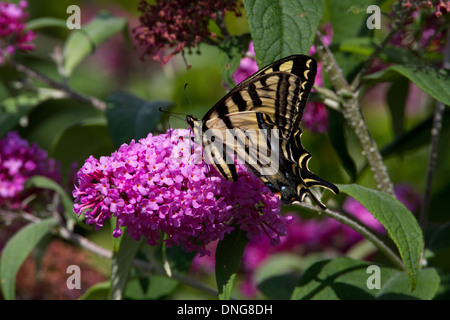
<point x="258" y="123"/>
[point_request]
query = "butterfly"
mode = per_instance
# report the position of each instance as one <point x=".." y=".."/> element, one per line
<point x="258" y="122"/>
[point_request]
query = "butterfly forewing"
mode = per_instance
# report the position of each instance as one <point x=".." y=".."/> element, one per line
<point x="280" y="90"/>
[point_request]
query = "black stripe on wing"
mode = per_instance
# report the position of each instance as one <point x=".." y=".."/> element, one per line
<point x="300" y="66"/>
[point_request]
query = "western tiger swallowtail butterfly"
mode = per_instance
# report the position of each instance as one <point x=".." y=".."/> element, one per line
<point x="258" y="121"/>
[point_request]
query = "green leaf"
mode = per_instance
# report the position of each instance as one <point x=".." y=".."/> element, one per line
<point x="400" y="224"/>
<point x="158" y="287"/>
<point x="179" y="260"/>
<point x="47" y="183"/>
<point x="284" y="27"/>
<point x="17" y="250"/>
<point x="348" y="19"/>
<point x="98" y="291"/>
<point x="75" y="143"/>
<point x="228" y="257"/>
<point x="398" y="286"/>
<point x="14" y="108"/>
<point x="46" y="22"/>
<point x="345" y="278"/>
<point x="48" y="121"/>
<point x="340" y="278"/>
<point x="398" y="55"/>
<point x="131" y="117"/>
<point x="121" y="264"/>
<point x="363" y="46"/>
<point x="277" y="277"/>
<point x="432" y="81"/>
<point x="83" y="42"/>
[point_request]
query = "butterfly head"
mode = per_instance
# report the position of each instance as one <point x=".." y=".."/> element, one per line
<point x="191" y="121"/>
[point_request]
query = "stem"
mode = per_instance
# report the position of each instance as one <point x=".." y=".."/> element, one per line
<point x="330" y="99"/>
<point x="361" y="229"/>
<point x="96" y="103"/>
<point x="351" y="112"/>
<point x="84" y="243"/>
<point x="435" y="133"/>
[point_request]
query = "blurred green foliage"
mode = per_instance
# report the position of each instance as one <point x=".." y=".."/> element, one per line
<point x="71" y="131"/>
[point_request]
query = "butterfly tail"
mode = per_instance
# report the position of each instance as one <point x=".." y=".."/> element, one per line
<point x="311" y="180"/>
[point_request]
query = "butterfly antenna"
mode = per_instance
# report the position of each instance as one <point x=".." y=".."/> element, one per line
<point x="190" y="103"/>
<point x="174" y="113"/>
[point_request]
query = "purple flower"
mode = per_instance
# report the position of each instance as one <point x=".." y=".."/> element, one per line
<point x="18" y="162"/>
<point x="178" y="25"/>
<point x="13" y="35"/>
<point x="315" y="117"/>
<point x="156" y="186"/>
<point x="423" y="30"/>
<point x="440" y="6"/>
<point x="409" y="196"/>
<point x="247" y="66"/>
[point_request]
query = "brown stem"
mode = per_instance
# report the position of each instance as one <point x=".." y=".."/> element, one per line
<point x="96" y="103"/>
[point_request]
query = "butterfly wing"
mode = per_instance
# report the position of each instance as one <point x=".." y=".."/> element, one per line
<point x="272" y="100"/>
<point x="279" y="90"/>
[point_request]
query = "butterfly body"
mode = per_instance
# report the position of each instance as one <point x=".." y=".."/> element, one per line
<point x="258" y="122"/>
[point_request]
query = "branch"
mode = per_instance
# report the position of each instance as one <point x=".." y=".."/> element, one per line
<point x="96" y="103"/>
<point x="330" y="99"/>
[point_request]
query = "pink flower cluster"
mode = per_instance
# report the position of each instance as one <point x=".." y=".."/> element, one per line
<point x="157" y="186"/>
<point x="440" y="6"/>
<point x="177" y="25"/>
<point x="315" y="116"/>
<point x="428" y="35"/>
<point x="13" y="35"/>
<point x="18" y="162"/>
